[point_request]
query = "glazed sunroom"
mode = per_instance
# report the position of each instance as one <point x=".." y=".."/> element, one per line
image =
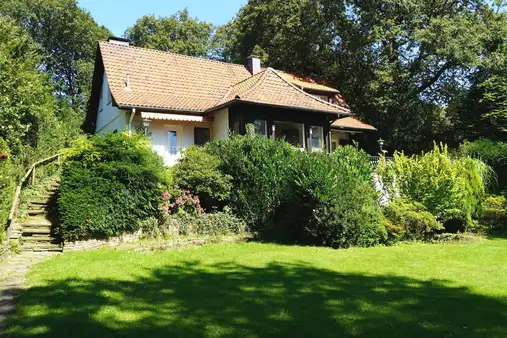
<point x="180" y="101"/>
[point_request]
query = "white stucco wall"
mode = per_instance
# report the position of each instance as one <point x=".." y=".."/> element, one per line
<point x="220" y="128"/>
<point x="109" y="118"/>
<point x="185" y="131"/>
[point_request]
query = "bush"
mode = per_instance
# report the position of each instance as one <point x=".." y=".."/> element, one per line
<point x="258" y="169"/>
<point x="109" y="184"/>
<point x="494" y="213"/>
<point x="492" y="153"/>
<point x="450" y="188"/>
<point x="331" y="201"/>
<point x="7" y="184"/>
<point x="216" y="224"/>
<point x="409" y="221"/>
<point x="198" y="171"/>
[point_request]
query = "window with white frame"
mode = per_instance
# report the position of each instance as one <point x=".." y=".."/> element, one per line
<point x="317" y="138"/>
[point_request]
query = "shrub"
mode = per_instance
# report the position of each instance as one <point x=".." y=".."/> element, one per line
<point x="409" y="221"/>
<point x="451" y="189"/>
<point x="109" y="184"/>
<point x="258" y="169"/>
<point x="216" y="224"/>
<point x="331" y="201"/>
<point x="493" y="153"/>
<point x="181" y="202"/>
<point x="494" y="213"/>
<point x="7" y="184"/>
<point x="198" y="171"/>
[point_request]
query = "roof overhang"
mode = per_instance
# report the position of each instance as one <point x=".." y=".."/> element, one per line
<point x="239" y="101"/>
<point x="174" y="117"/>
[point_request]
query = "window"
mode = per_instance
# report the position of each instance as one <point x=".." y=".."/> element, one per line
<point x="201" y="136"/>
<point x="317" y="140"/>
<point x="322" y="97"/>
<point x="172" y="142"/>
<point x="293" y="133"/>
<point x="261" y="127"/>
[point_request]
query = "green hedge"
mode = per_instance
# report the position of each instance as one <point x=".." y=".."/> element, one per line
<point x="330" y="200"/>
<point x="258" y="169"/>
<point x="7" y="187"/>
<point x="109" y="185"/>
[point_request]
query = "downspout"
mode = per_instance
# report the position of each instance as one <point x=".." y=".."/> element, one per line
<point x="132" y="114"/>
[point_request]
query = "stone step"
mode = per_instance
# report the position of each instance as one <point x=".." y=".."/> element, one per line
<point x="41" y="247"/>
<point x="37" y="212"/>
<point x="33" y="230"/>
<point x="38" y="206"/>
<point x="40" y="239"/>
<point x="35" y="221"/>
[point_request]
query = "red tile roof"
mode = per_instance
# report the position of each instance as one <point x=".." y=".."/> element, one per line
<point x="149" y="78"/>
<point x="271" y="88"/>
<point x="351" y="123"/>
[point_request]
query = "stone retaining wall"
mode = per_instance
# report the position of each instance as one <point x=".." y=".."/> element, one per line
<point x="90" y="244"/>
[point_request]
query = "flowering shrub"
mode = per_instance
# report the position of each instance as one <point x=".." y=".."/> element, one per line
<point x="181" y="202"/>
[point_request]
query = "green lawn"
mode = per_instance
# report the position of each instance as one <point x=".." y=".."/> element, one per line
<point x="259" y="290"/>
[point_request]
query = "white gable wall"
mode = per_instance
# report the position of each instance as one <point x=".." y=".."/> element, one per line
<point x="109" y="118"/>
<point x="220" y="129"/>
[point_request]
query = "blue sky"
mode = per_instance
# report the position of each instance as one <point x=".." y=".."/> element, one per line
<point x="117" y="15"/>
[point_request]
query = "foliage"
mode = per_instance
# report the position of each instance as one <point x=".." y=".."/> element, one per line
<point x="331" y="201"/>
<point x="397" y="63"/>
<point x="68" y="36"/>
<point x="7" y="185"/>
<point x="258" y="168"/>
<point x="178" y="33"/>
<point x="215" y="224"/>
<point x="451" y="189"/>
<point x="109" y="184"/>
<point x="493" y="153"/>
<point x="494" y="213"/>
<point x="409" y="221"/>
<point x="181" y="202"/>
<point x="198" y="171"/>
<point x="27" y="108"/>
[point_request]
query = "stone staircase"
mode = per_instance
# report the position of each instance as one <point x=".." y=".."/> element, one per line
<point x="36" y="230"/>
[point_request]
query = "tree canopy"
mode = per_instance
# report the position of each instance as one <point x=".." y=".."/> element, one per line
<point x="178" y="33"/>
<point x="68" y="36"/>
<point x="399" y="64"/>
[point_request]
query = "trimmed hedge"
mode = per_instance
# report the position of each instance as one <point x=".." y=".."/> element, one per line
<point x="331" y="201"/>
<point x="109" y="185"/>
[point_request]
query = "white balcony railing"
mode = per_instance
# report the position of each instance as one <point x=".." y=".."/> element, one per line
<point x="169" y="154"/>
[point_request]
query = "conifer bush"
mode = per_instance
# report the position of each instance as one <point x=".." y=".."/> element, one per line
<point x="109" y="185"/>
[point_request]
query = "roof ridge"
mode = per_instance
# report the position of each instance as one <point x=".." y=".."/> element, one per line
<point x="261" y="74"/>
<point x="309" y="95"/>
<point x="175" y="54"/>
<point x="259" y="81"/>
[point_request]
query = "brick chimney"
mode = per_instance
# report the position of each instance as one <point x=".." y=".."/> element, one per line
<point x="254" y="64"/>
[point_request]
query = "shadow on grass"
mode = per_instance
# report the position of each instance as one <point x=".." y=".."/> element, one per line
<point x="231" y="300"/>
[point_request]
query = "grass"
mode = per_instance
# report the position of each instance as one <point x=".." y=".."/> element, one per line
<point x="260" y="290"/>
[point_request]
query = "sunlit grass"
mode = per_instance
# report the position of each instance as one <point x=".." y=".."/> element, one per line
<point x="258" y="290"/>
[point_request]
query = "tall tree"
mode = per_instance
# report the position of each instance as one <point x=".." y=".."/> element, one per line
<point x="178" y="33"/>
<point x="398" y="63"/>
<point x="67" y="35"/>
<point x="27" y="104"/>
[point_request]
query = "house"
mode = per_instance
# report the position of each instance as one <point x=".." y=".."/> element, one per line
<point x="182" y="101"/>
